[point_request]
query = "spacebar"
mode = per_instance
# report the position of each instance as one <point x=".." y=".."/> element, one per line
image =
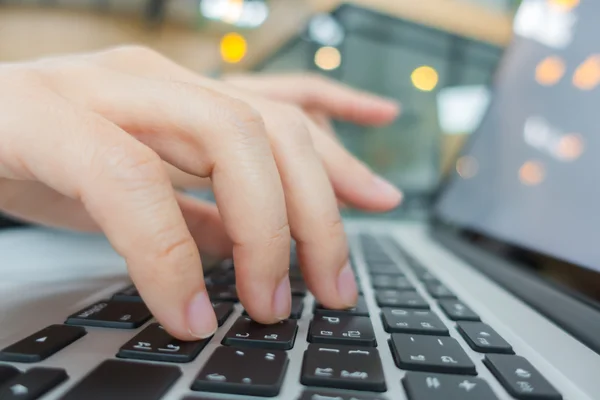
<point x="123" y="380"/>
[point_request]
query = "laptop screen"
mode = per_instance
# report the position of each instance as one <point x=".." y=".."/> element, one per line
<point x="530" y="175"/>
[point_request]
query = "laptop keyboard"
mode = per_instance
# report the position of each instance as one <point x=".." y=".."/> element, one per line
<point x="342" y="360"/>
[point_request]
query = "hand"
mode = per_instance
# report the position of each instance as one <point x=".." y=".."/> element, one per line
<point x="84" y="141"/>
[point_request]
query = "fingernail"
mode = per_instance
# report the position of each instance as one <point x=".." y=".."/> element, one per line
<point x="384" y="188"/>
<point x="201" y="316"/>
<point x="346" y="285"/>
<point x="282" y="299"/>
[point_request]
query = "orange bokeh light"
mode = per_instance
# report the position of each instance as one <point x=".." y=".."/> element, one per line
<point x="570" y="147"/>
<point x="532" y="173"/>
<point x="467" y="167"/>
<point x="565" y="4"/>
<point x="549" y="71"/>
<point x="587" y="75"/>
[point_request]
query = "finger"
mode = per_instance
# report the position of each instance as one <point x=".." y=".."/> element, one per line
<point x="182" y="180"/>
<point x="319" y="93"/>
<point x="125" y="189"/>
<point x="207" y="134"/>
<point x="315" y="221"/>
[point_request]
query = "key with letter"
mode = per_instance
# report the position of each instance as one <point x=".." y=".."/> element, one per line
<point x="482" y="338"/>
<point x="348" y="330"/>
<point x="247" y="333"/>
<point x="412" y="321"/>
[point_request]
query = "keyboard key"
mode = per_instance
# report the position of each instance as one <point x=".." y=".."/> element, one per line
<point x="390" y="269"/>
<point x="125" y="380"/>
<point x="391" y="282"/>
<point x="327" y="394"/>
<point x="296" y="309"/>
<point x="430" y="353"/>
<point x="405" y="299"/>
<point x="42" y="344"/>
<point x="520" y="378"/>
<point x="361" y="309"/>
<point x="222" y="310"/>
<point x="439" y="291"/>
<point x="343" y="367"/>
<point x="222" y="293"/>
<point x="424" y="386"/>
<point x="7" y="372"/>
<point x="33" y="384"/>
<point x="129" y="294"/>
<point x="221" y="277"/>
<point x="112" y="314"/>
<point x="298" y="287"/>
<point x="155" y="344"/>
<point x="247" y="333"/>
<point x="482" y="338"/>
<point x="348" y="330"/>
<point x="423" y="322"/>
<point x="254" y="372"/>
<point x="424" y="275"/>
<point x="458" y="311"/>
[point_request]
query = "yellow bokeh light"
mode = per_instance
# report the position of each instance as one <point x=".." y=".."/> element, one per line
<point x="425" y="78"/>
<point x="570" y="147"/>
<point x="549" y="71"/>
<point x="233" y="47"/>
<point x="328" y="58"/>
<point x="565" y="4"/>
<point x="467" y="167"/>
<point x="587" y="75"/>
<point x="531" y="173"/>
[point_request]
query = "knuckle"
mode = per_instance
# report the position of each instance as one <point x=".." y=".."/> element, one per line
<point x="246" y="121"/>
<point x="293" y="120"/>
<point x="280" y="236"/>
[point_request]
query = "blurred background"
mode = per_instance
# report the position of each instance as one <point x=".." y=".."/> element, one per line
<point x="437" y="57"/>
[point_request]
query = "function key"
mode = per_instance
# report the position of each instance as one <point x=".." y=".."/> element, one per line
<point x="520" y="378"/>
<point x="424" y="386"/>
<point x="128" y="294"/>
<point x="401" y="320"/>
<point x="112" y="314"/>
<point x="328" y="394"/>
<point x="379" y="281"/>
<point x="222" y="310"/>
<point x="247" y="333"/>
<point x="343" y="367"/>
<point x="457" y="310"/>
<point x="430" y="353"/>
<point x="155" y="344"/>
<point x="253" y="372"/>
<point x="42" y="344"/>
<point x="342" y="330"/>
<point x="125" y="380"/>
<point x="439" y="291"/>
<point x="7" y="372"/>
<point x="33" y="384"/>
<point x="395" y="298"/>
<point x="361" y="309"/>
<point x="482" y="338"/>
<point x="222" y="292"/>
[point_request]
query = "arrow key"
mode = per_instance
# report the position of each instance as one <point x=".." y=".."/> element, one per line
<point x="33" y="384"/>
<point x="42" y="344"/>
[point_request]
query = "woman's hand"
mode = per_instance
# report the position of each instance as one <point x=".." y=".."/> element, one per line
<point x="85" y="143"/>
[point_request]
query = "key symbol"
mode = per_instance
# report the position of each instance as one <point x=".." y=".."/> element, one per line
<point x="521" y="373"/>
<point x="323" y="371"/>
<point x="42" y="339"/>
<point x="271" y="336"/>
<point x="399" y="312"/>
<point x="420" y="357"/>
<point x="432" y="382"/>
<point x="448" y="360"/>
<point x="125" y="317"/>
<point x="270" y="357"/>
<point x="352" y="334"/>
<point x="331" y="320"/>
<point x="239" y="353"/>
<point x="467" y="385"/>
<point x="326" y="333"/>
<point x="19" y="390"/>
<point x="483" y="341"/>
<point x="216" y="377"/>
<point x="247" y="380"/>
<point x="143" y="346"/>
<point x="242" y="335"/>
<point x="426" y="325"/>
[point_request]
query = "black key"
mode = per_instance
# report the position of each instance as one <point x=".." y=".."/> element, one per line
<point x="458" y="311"/>
<point x="221" y="277"/>
<point x="349" y="330"/>
<point x="424" y="275"/>
<point x="125" y="380"/>
<point x="384" y="269"/>
<point x="296" y="274"/>
<point x="155" y="344"/>
<point x="361" y="309"/>
<point x="424" y="386"/>
<point x="247" y="333"/>
<point x="42" y="344"/>
<point x="254" y="372"/>
<point x="327" y="394"/>
<point x="343" y="367"/>
<point x="222" y="310"/>
<point x="423" y="322"/>
<point x="129" y="294"/>
<point x="222" y="293"/>
<point x="391" y="282"/>
<point x="296" y="309"/>
<point x="482" y="338"/>
<point x="430" y="353"/>
<point x="405" y="299"/>
<point x="298" y="287"/>
<point x="7" y="372"/>
<point x="33" y="384"/>
<point x="112" y="314"/>
<point x="439" y="291"/>
<point x="520" y="378"/>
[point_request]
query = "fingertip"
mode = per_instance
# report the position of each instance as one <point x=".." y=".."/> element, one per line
<point x="346" y="286"/>
<point x="202" y="322"/>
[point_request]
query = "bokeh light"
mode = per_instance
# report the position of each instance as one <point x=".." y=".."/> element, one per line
<point x="328" y="58"/>
<point x="233" y="47"/>
<point x="587" y="75"/>
<point x="570" y="147"/>
<point x="467" y="167"/>
<point x="549" y="71"/>
<point x="532" y="173"/>
<point x="565" y="4"/>
<point x="425" y="78"/>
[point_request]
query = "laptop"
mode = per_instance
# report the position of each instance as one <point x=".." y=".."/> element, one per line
<point x="497" y="297"/>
